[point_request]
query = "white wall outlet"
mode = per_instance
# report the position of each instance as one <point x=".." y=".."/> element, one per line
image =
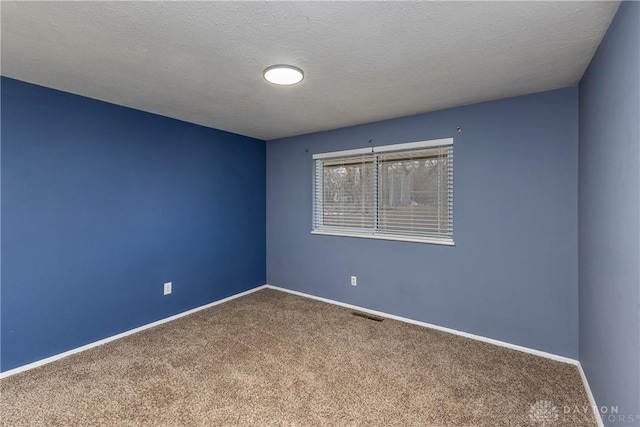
<point x="167" y="288"/>
<point x="354" y="281"/>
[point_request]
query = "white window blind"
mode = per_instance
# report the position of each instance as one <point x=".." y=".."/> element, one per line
<point x="400" y="192"/>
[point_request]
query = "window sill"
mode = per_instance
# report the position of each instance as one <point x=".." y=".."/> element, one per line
<point x="382" y="236"/>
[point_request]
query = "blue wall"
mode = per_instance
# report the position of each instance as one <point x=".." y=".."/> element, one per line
<point x="101" y="204"/>
<point x="513" y="273"/>
<point x="609" y="220"/>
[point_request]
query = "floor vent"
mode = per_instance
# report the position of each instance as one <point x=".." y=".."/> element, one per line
<point x="368" y="316"/>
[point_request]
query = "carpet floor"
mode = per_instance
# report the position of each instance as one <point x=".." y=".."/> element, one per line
<point x="275" y="359"/>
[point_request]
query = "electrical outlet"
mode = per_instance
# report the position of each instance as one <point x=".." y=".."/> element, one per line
<point x="354" y="281"/>
<point x="167" y="288"/>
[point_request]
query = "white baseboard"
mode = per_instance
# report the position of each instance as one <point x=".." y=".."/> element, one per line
<point x="432" y="326"/>
<point x="121" y="335"/>
<point x="592" y="400"/>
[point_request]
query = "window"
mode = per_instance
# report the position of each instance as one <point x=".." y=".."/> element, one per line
<point x="397" y="192"/>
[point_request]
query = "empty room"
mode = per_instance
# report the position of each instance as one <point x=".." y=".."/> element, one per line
<point x="320" y="213"/>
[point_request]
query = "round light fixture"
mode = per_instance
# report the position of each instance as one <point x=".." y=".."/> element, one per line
<point x="283" y="75"/>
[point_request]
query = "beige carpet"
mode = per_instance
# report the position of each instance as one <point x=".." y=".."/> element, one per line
<point x="275" y="359"/>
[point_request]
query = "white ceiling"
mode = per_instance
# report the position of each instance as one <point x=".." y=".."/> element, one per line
<point x="364" y="61"/>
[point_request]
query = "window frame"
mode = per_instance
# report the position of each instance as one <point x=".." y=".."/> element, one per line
<point x="376" y="152"/>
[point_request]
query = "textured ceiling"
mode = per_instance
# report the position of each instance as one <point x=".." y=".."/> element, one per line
<point x="364" y="61"/>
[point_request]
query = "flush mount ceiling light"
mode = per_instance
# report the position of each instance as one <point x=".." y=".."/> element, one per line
<point x="283" y="75"/>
